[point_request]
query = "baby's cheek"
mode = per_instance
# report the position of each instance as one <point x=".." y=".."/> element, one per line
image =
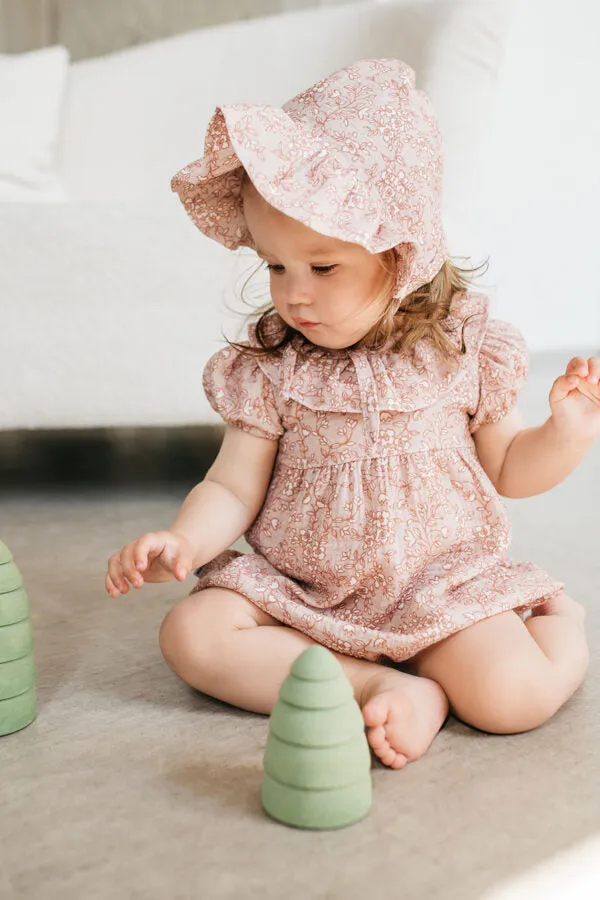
<point x="353" y="309"/>
<point x="341" y="303"/>
<point x="279" y="305"/>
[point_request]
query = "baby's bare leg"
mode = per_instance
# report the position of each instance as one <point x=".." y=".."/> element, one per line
<point x="221" y="644"/>
<point x="505" y="676"/>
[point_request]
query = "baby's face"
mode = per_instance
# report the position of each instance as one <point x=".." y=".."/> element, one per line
<point x="314" y="278"/>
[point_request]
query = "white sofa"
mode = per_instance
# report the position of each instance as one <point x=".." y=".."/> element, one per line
<point x="112" y="301"/>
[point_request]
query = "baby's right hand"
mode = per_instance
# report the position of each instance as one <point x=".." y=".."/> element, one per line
<point x="156" y="556"/>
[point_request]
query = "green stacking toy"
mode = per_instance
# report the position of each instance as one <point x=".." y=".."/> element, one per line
<point x="317" y="764"/>
<point x="17" y="665"/>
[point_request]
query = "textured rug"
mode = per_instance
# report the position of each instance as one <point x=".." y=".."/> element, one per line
<point x="130" y="785"/>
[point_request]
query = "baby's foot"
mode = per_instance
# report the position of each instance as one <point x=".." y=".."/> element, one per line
<point x="403" y="713"/>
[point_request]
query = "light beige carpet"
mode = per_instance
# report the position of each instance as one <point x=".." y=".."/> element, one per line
<point x="130" y="785"/>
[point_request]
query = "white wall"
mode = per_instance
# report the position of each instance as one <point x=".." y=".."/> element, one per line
<point x="548" y="131"/>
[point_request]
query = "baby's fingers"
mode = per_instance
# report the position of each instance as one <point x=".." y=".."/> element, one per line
<point x="181" y="568"/>
<point x="156" y="545"/>
<point x="174" y="561"/>
<point x="115" y="577"/>
<point x="128" y="565"/>
<point x="594" y="369"/>
<point x="577" y="366"/>
<point x="142" y="551"/>
<point x="562" y="387"/>
<point x="111" y="587"/>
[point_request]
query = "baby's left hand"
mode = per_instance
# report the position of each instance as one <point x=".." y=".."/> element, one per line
<point x="575" y="400"/>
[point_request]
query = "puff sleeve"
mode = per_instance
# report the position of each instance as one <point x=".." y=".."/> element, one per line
<point x="503" y="363"/>
<point x="241" y="393"/>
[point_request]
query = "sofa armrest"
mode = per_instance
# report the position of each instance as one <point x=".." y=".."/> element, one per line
<point x="110" y="312"/>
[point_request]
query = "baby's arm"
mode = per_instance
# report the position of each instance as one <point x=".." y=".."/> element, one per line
<point x="215" y="513"/>
<point x="221" y="508"/>
<point x="522" y="462"/>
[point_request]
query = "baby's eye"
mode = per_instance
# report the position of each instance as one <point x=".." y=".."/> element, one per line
<point x="318" y="270"/>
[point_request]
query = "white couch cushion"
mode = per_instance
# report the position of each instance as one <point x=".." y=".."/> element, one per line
<point x="118" y="303"/>
<point x="136" y="117"/>
<point x="31" y="96"/>
<point x="109" y="312"/>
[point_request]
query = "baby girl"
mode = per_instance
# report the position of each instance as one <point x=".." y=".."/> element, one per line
<point x="371" y="431"/>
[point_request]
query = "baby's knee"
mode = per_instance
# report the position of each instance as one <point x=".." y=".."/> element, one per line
<point x="172" y="634"/>
<point x="512" y="700"/>
<point x="189" y="641"/>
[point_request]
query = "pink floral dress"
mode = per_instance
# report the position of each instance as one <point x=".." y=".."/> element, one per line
<point x="380" y="533"/>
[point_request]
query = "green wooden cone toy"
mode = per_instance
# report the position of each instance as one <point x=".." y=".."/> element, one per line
<point x="15" y="641"/>
<point x="5" y="554"/>
<point x="14" y="607"/>
<point x="317" y="764"/>
<point x="10" y="578"/>
<point x="17" y="712"/>
<point x="17" y="676"/>
<point x="17" y="664"/>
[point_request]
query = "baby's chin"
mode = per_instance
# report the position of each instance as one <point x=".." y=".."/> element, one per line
<point x="321" y="336"/>
<point x="322" y="342"/>
<point x="330" y="343"/>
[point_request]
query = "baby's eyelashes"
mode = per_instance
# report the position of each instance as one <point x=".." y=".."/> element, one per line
<point x="318" y="270"/>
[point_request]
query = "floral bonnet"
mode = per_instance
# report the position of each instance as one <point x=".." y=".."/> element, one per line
<point x="357" y="157"/>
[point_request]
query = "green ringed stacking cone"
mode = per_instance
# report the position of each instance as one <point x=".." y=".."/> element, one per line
<point x="17" y="664"/>
<point x="5" y="554"/>
<point x="14" y="607"/>
<point x="317" y="764"/>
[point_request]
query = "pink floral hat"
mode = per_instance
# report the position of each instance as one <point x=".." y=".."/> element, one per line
<point x="357" y="156"/>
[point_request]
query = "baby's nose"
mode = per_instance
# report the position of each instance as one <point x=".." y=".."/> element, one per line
<point x="298" y="293"/>
<point x="298" y="299"/>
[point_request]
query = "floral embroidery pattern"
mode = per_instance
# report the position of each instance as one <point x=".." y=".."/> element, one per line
<point x="380" y="533"/>
<point x="357" y="156"/>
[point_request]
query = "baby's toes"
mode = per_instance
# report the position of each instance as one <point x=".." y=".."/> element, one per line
<point x="375" y="712"/>
<point x="378" y="740"/>
<point x="376" y="737"/>
<point x="389" y="757"/>
<point x="399" y="762"/>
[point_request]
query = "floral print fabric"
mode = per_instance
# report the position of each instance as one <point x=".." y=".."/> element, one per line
<point x="357" y="156"/>
<point x="380" y="533"/>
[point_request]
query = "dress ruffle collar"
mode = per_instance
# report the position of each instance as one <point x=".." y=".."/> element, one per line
<point x="371" y="381"/>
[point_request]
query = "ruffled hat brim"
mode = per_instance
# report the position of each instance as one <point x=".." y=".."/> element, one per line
<point x="201" y="184"/>
<point x="315" y="180"/>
